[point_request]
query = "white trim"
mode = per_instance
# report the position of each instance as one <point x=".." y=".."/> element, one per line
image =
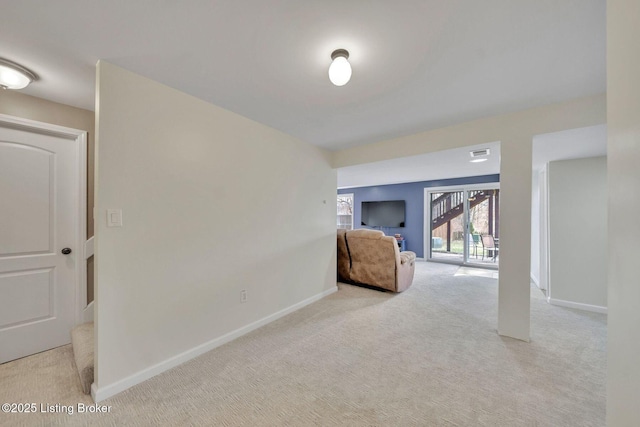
<point x="88" y="313"/>
<point x="534" y="279"/>
<point x="81" y="294"/>
<point x="100" y="394"/>
<point x="545" y="261"/>
<point x="42" y="127"/>
<point x="426" y="228"/>
<point x="448" y="188"/>
<point x="88" y="248"/>
<point x="578" y="305"/>
<point x="80" y="138"/>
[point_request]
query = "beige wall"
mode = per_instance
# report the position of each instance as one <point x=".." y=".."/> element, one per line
<point x="578" y="231"/>
<point x="551" y="118"/>
<point x="515" y="132"/>
<point x="19" y="105"/>
<point x="623" y="157"/>
<point x="213" y="203"/>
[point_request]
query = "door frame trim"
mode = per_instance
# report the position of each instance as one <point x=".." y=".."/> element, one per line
<point x="79" y="138"/>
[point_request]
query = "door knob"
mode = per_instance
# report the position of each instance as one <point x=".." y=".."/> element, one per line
<point x="66" y="251"/>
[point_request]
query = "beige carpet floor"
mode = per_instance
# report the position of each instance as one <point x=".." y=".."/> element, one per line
<point x="427" y="357"/>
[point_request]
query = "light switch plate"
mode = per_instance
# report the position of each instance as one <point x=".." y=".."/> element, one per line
<point x="114" y="217"/>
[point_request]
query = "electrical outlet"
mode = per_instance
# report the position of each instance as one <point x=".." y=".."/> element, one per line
<point x="243" y="296"/>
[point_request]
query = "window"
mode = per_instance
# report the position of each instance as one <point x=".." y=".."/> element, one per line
<point x="345" y="211"/>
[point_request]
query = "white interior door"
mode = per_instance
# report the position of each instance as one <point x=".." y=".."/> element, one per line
<point x="39" y="212"/>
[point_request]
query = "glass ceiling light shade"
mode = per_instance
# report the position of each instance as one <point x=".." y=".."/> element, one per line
<point x="340" y="69"/>
<point x="14" y="76"/>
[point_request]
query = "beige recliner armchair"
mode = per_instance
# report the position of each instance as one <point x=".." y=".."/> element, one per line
<point x="371" y="258"/>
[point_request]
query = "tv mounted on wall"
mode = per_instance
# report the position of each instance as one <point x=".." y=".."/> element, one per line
<point x="383" y="214"/>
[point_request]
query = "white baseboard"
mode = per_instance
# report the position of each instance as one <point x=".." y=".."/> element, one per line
<point x="577" y="305"/>
<point x="103" y="393"/>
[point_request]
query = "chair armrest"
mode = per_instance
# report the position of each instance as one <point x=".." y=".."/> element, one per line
<point x="407" y="256"/>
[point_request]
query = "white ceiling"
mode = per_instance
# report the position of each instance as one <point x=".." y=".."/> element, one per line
<point x="571" y="144"/>
<point x="446" y="164"/>
<point x="417" y="64"/>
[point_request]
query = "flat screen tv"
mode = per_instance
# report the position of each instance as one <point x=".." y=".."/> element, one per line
<point x="383" y="214"/>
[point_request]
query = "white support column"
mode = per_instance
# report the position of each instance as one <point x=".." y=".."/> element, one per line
<point x="515" y="238"/>
<point x="623" y="157"/>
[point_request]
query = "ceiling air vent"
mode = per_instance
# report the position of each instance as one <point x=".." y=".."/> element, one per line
<point x="480" y="153"/>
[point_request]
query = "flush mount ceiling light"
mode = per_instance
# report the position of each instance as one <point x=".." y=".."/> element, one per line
<point x="340" y="69"/>
<point x="14" y="76"/>
<point x="479" y="155"/>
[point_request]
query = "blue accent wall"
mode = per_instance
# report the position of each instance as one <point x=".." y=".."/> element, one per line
<point x="413" y="194"/>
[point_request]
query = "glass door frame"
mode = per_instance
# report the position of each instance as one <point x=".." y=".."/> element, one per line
<point x="428" y="221"/>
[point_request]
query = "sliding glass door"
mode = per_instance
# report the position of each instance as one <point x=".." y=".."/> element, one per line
<point x="463" y="225"/>
<point x="483" y="220"/>
<point x="447" y="226"/>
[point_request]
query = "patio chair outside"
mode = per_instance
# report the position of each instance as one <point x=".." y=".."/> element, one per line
<point x="489" y="247"/>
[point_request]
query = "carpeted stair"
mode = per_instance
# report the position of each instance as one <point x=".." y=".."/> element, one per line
<point x="82" y="342"/>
